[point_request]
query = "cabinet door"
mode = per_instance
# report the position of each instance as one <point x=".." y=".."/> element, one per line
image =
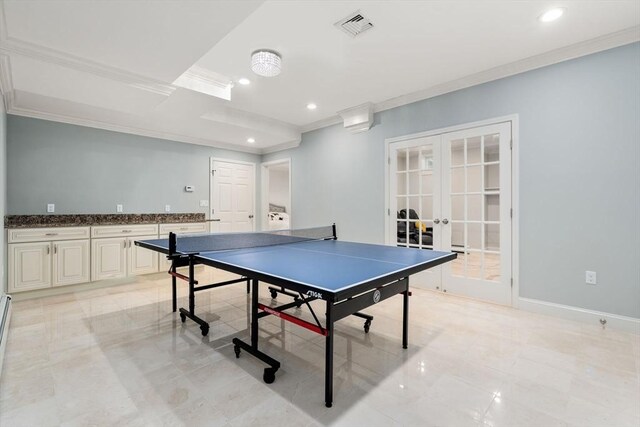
<point x="141" y="261"/>
<point x="108" y="258"/>
<point x="70" y="262"/>
<point x="29" y="266"/>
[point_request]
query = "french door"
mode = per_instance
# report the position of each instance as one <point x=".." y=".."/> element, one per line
<point x="452" y="192"/>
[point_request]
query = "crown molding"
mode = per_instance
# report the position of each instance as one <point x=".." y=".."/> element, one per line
<point x="280" y="147"/>
<point x="608" y="41"/>
<point x="6" y="83"/>
<point x="25" y="112"/>
<point x="10" y="46"/>
<point x="205" y="81"/>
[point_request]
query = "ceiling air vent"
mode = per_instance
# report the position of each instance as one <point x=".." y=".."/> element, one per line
<point x="354" y="24"/>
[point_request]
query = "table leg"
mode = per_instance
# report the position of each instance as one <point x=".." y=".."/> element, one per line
<point x="173" y="287"/>
<point x="405" y="316"/>
<point x="328" y="370"/>
<point x="254" y="314"/>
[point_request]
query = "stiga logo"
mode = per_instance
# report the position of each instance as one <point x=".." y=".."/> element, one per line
<point x="314" y="294"/>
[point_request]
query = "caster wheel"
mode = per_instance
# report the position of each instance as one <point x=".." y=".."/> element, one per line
<point x="236" y="350"/>
<point x="274" y="294"/>
<point x="204" y="329"/>
<point x="269" y="375"/>
<point x="183" y="317"/>
<point x="367" y="325"/>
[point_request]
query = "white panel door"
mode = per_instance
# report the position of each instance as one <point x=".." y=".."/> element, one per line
<point x="232" y="196"/>
<point x="140" y="260"/>
<point x="108" y="258"/>
<point x="29" y="266"/>
<point x="71" y="262"/>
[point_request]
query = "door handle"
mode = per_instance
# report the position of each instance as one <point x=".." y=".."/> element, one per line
<point x="48" y="250"/>
<point x="55" y="249"/>
<point x="436" y="221"/>
<point x="250" y="216"/>
<point x="216" y="220"/>
<point x="445" y="221"/>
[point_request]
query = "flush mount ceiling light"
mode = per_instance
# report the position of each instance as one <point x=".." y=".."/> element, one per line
<point x="244" y="81"/>
<point x="311" y="106"/>
<point x="266" y="63"/>
<point x="551" y="14"/>
<point x="251" y="140"/>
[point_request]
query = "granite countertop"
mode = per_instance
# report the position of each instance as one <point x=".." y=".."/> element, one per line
<point x="79" y="220"/>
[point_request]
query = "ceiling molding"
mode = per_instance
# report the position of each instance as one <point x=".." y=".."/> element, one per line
<point x="12" y="46"/>
<point x="205" y="81"/>
<point x="609" y="41"/>
<point x="6" y="83"/>
<point x="25" y="112"/>
<point x="577" y="50"/>
<point x="253" y="122"/>
<point x="280" y="147"/>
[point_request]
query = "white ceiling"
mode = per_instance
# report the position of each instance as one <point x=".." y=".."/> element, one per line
<point x="112" y="64"/>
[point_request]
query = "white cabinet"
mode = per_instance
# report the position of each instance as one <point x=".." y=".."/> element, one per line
<point x="29" y="266"/>
<point x="44" y="257"/>
<point x="114" y="257"/>
<point x="187" y="228"/>
<point x="108" y="258"/>
<point x="70" y="262"/>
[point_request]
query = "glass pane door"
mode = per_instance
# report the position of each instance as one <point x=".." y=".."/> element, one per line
<point x="476" y="212"/>
<point x="415" y="198"/>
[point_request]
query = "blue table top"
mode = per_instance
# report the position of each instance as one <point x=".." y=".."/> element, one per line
<point x="328" y="265"/>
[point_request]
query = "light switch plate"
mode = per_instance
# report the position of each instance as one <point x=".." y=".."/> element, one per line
<point x="204" y="203"/>
<point x="119" y="208"/>
<point x="167" y="208"/>
<point x="51" y="207"/>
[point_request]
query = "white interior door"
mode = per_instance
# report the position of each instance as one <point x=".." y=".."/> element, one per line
<point x="415" y="171"/>
<point x="476" y="212"/>
<point x="232" y="196"/>
<point x="452" y="192"/>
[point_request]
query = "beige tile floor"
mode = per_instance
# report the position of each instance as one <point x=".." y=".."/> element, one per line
<point x="119" y="357"/>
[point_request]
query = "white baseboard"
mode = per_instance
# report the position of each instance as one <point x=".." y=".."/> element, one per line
<point x="614" y="321"/>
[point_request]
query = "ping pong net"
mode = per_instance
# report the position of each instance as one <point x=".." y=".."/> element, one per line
<point x="210" y="242"/>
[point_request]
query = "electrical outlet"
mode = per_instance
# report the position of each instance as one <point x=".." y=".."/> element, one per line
<point x="119" y="208"/>
<point x="204" y="203"/>
<point x="167" y="208"/>
<point x="590" y="277"/>
<point x="51" y="207"/>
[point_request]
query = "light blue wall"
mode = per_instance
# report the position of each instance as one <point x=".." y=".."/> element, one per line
<point x="579" y="174"/>
<point x="86" y="170"/>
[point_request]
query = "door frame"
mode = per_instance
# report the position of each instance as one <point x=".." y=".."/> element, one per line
<point x="264" y="189"/>
<point x="515" y="186"/>
<point x="240" y="162"/>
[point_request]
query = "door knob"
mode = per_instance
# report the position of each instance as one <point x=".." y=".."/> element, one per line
<point x="445" y="221"/>
<point x="436" y="221"/>
<point x="250" y="216"/>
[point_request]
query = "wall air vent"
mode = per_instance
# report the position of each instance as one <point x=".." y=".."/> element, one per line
<point x="354" y="24"/>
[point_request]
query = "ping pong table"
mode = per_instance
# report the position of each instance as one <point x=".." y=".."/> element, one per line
<point x="310" y="264"/>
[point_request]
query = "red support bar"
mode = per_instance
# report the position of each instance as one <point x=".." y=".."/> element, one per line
<point x="289" y="318"/>
<point x="182" y="277"/>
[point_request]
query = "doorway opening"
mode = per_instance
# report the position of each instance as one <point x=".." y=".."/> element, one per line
<point x="276" y="195"/>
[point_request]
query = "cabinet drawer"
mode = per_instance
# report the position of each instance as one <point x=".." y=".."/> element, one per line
<point x="124" y="230"/>
<point x="185" y="228"/>
<point x="20" y="235"/>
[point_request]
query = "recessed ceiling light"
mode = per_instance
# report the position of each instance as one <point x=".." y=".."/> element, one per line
<point x="244" y="81"/>
<point x="551" y="14"/>
<point x="251" y="140"/>
<point x="311" y="106"/>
